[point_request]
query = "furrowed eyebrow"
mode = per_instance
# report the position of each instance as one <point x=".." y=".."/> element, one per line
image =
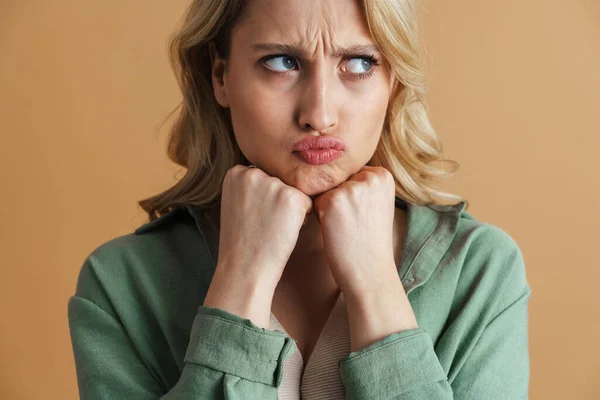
<point x="299" y="52"/>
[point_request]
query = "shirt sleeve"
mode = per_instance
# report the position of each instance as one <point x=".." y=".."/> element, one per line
<point x="405" y="365"/>
<point x="228" y="357"/>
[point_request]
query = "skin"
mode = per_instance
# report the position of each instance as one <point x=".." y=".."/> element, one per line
<point x="276" y="101"/>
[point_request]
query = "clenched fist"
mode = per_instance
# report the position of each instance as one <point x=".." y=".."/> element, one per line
<point x="357" y="222"/>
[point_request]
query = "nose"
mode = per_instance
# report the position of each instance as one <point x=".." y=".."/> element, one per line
<point x="317" y="108"/>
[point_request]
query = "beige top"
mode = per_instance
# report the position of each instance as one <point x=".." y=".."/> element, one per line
<point x="319" y="379"/>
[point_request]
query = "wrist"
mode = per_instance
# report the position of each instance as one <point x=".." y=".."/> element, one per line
<point x="364" y="280"/>
<point x="376" y="314"/>
<point x="243" y="296"/>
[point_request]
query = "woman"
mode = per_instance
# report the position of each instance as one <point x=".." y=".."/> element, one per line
<point x="305" y="253"/>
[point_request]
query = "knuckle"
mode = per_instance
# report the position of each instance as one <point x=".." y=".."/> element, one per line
<point x="288" y="195"/>
<point x="272" y="186"/>
<point x="233" y="172"/>
<point x="253" y="175"/>
<point x="236" y="168"/>
<point x="229" y="174"/>
<point x="387" y="176"/>
<point x="335" y="200"/>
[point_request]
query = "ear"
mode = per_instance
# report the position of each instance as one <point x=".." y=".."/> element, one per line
<point x="218" y="75"/>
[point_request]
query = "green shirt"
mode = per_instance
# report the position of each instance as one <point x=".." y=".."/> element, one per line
<point x="139" y="329"/>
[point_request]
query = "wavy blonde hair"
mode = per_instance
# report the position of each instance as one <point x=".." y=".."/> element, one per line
<point x="202" y="140"/>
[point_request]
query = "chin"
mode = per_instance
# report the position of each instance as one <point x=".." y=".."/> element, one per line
<point x="314" y="183"/>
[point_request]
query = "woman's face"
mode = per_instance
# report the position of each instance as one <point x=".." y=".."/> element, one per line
<point x="317" y="85"/>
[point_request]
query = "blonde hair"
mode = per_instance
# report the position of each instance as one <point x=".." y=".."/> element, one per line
<point x="202" y="141"/>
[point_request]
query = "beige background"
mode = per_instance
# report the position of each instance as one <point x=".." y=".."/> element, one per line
<point x="84" y="87"/>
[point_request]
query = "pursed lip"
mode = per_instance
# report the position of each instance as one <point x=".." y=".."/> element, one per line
<point x="319" y="142"/>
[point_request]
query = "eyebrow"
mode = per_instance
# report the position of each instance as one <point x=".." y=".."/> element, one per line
<point x="298" y="52"/>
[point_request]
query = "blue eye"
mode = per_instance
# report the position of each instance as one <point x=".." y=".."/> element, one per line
<point x="362" y="63"/>
<point x="284" y="61"/>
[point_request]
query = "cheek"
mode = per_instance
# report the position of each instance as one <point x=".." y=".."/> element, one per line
<point x="257" y="113"/>
<point x="368" y="110"/>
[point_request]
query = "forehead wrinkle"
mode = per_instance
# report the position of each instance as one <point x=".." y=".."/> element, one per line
<point x="300" y="34"/>
<point x="320" y="30"/>
<point x="304" y="31"/>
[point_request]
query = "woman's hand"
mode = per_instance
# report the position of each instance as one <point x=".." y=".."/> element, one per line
<point x="260" y="223"/>
<point x="357" y="224"/>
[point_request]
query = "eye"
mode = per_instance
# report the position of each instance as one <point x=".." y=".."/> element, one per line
<point x="283" y="61"/>
<point x="362" y="66"/>
<point x="359" y="65"/>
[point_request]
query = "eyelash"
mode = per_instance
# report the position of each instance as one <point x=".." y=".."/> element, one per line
<point x="364" y="75"/>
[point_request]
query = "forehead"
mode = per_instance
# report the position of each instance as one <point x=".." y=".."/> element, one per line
<point x="305" y="23"/>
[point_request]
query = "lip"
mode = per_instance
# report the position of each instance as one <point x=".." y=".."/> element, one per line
<point x="318" y="156"/>
<point x="319" y="150"/>
<point x="319" y="143"/>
